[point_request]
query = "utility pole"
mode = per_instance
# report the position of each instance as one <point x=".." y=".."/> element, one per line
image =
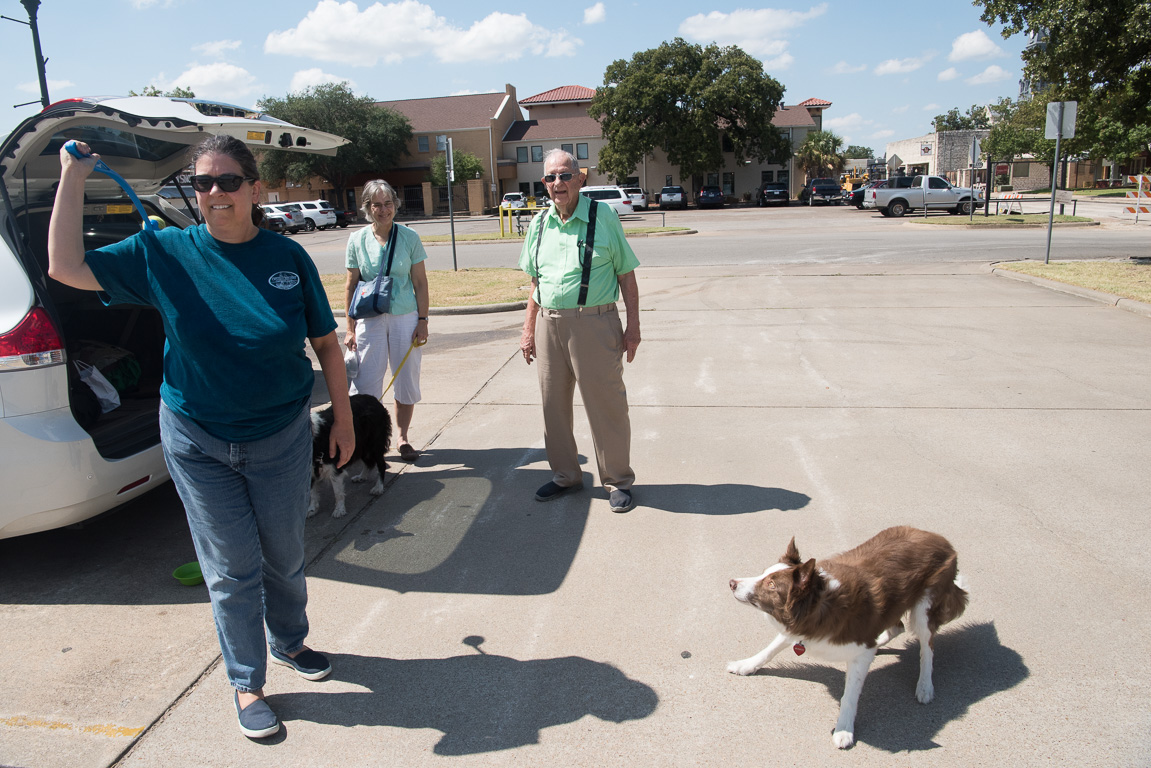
<point x="31" y="6"/>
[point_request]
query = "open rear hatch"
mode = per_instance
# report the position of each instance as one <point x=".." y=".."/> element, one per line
<point x="145" y="140"/>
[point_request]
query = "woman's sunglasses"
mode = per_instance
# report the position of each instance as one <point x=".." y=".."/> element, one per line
<point x="551" y="177"/>
<point x="229" y="182"/>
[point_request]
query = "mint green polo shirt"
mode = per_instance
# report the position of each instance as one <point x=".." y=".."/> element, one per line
<point x="365" y="254"/>
<point x="561" y="251"/>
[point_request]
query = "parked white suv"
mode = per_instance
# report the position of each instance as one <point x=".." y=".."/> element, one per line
<point x="612" y="195"/>
<point x="62" y="460"/>
<point x="318" y="214"/>
<point x="638" y="198"/>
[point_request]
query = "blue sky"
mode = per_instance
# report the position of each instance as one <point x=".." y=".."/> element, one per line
<point x="886" y="67"/>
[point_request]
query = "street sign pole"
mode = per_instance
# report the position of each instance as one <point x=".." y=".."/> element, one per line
<point x="450" y="167"/>
<point x="1060" y="122"/>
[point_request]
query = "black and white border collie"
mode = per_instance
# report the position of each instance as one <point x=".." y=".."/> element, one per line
<point x="373" y="428"/>
<point x="843" y="608"/>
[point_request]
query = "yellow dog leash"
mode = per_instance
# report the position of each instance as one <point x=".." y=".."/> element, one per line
<point x="411" y="346"/>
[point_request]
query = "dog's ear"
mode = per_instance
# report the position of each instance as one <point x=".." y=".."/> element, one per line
<point x="802" y="576"/>
<point x="791" y="556"/>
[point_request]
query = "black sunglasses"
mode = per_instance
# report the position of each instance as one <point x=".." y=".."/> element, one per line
<point x="229" y="182"/>
<point x="551" y="177"/>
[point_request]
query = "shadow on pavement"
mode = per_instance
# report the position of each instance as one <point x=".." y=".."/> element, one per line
<point x="125" y="557"/>
<point x="970" y="666"/>
<point x="480" y="702"/>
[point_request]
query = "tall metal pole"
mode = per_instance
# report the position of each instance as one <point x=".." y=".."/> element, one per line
<point x="1054" y="178"/>
<point x="450" y="168"/>
<point x="31" y="6"/>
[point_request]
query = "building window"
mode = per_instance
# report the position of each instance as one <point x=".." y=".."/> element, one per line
<point x="782" y="177"/>
<point x="581" y="151"/>
<point x="521" y="154"/>
<point x="540" y="190"/>
<point x="537" y="154"/>
<point x="569" y="148"/>
<point x="631" y="181"/>
<point x="667" y="181"/>
<point x="726" y="144"/>
<point x="422" y="143"/>
<point x="728" y="183"/>
<point x="525" y="188"/>
<point x="765" y="177"/>
<point x="712" y="180"/>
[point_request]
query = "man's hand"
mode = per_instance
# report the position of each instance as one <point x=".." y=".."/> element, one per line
<point x="631" y="340"/>
<point x="528" y="344"/>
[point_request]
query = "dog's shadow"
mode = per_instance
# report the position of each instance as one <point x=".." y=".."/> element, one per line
<point x="480" y="702"/>
<point x="970" y="665"/>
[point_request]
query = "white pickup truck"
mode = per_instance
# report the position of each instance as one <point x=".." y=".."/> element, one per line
<point x="936" y="190"/>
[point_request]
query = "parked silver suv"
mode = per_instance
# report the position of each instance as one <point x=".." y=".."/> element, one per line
<point x="62" y="459"/>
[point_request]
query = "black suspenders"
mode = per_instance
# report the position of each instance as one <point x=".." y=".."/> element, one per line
<point x="588" y="251"/>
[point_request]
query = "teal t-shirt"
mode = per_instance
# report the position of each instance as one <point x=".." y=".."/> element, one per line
<point x="236" y="318"/>
<point x="365" y="254"/>
<point x="560" y="262"/>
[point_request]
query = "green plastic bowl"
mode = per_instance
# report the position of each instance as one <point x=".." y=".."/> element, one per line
<point x="189" y="574"/>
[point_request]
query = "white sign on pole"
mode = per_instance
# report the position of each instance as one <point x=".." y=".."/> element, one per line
<point x="1065" y="196"/>
<point x="976" y="150"/>
<point x="1054" y="130"/>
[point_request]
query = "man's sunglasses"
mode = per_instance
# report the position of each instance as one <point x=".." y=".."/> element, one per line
<point x="551" y="177"/>
<point x="229" y="182"/>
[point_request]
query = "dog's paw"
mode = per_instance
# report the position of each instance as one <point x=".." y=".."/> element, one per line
<point x="313" y="509"/>
<point x="924" y="691"/>
<point x="842" y="739"/>
<point x="742" y="667"/>
<point x="339" y="511"/>
<point x="359" y="478"/>
<point x="378" y="488"/>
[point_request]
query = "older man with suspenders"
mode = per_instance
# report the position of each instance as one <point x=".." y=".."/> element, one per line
<point x="580" y="264"/>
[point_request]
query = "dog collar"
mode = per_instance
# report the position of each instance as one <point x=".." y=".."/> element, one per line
<point x="798" y="648"/>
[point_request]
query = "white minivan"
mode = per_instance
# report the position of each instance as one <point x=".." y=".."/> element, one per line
<point x="62" y="459"/>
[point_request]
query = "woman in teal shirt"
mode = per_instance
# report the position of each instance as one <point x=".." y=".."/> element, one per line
<point x="377" y="341"/>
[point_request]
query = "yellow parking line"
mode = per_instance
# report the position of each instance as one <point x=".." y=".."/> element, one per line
<point x="100" y="729"/>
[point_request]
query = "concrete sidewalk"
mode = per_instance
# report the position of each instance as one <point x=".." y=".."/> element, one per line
<point x="470" y="625"/>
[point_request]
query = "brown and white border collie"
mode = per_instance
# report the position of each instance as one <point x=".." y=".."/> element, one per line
<point x="843" y="608"/>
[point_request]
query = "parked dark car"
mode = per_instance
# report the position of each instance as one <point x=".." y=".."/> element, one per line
<point x="710" y="197"/>
<point x="826" y="191"/>
<point x="855" y="196"/>
<point x="773" y="193"/>
<point x="344" y="218"/>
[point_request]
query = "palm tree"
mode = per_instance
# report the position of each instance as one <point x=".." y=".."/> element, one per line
<point x="820" y="154"/>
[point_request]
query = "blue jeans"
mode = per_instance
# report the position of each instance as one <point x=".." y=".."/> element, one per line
<point x="246" y="504"/>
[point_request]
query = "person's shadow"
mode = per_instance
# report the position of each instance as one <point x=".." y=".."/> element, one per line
<point x="468" y="524"/>
<point x="970" y="665"/>
<point x="480" y="702"/>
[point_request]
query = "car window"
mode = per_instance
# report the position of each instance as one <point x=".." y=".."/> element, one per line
<point x="603" y="194"/>
<point x="111" y="142"/>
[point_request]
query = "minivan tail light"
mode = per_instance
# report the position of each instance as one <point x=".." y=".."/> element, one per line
<point x="34" y="342"/>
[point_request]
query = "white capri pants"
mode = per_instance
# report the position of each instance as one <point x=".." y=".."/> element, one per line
<point x="382" y="342"/>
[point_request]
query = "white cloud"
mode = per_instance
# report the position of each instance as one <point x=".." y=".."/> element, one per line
<point x="993" y="74"/>
<point x="974" y="45"/>
<point x="901" y="110"/>
<point x="843" y="68"/>
<point x="216" y="82"/>
<point x="33" y="86"/>
<point x="216" y="49"/>
<point x="886" y="133"/>
<point x="309" y="78"/>
<point x="341" y="32"/>
<point x="948" y="74"/>
<point x="758" y="32"/>
<point x="902" y="66"/>
<point x="594" y="14"/>
<point x="930" y="107"/>
<point x="852" y="122"/>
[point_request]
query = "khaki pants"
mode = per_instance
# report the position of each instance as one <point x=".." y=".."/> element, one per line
<point x="584" y="347"/>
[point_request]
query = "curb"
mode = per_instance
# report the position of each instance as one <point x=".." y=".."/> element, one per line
<point x="1129" y="305"/>
<point x="475" y="309"/>
<point x="1009" y="225"/>
<point x="486" y="242"/>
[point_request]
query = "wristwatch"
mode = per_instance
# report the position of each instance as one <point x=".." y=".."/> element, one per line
<point x="420" y="318"/>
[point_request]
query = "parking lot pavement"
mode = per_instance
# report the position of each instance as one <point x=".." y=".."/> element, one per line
<point x="468" y="623"/>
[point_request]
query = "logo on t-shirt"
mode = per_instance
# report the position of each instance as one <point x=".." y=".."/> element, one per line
<point x="285" y="281"/>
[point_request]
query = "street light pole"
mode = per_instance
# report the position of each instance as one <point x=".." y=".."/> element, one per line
<point x="31" y="6"/>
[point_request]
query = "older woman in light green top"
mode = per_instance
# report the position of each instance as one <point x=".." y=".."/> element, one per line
<point x="377" y="342"/>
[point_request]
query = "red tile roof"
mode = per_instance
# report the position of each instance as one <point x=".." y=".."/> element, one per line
<point x="448" y="113"/>
<point x="563" y="93"/>
<point x="813" y="102"/>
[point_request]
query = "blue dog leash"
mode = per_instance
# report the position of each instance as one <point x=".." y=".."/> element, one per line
<point x="103" y="168"/>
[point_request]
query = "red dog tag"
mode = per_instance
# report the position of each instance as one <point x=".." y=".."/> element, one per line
<point x="798" y="648"/>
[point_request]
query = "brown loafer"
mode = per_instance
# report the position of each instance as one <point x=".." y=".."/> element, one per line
<point x="408" y="453"/>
